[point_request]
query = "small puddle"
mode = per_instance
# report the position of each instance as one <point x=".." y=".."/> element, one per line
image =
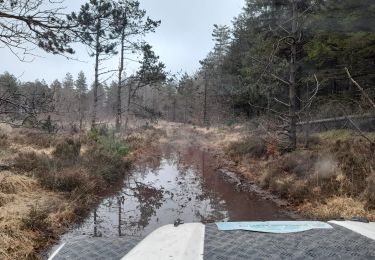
<point x="175" y="185"/>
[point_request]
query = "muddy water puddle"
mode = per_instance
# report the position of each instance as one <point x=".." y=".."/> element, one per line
<point x="170" y="186"/>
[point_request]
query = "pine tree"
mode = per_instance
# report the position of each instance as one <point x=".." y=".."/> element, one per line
<point x="68" y="82"/>
<point x="96" y="20"/>
<point x="81" y="90"/>
<point x="56" y="88"/>
<point x="67" y="96"/>
<point x="130" y="23"/>
<point x="221" y="36"/>
<point x="26" y="24"/>
<point x="151" y="72"/>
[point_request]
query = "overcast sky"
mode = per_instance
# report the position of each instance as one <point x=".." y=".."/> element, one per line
<point x="183" y="39"/>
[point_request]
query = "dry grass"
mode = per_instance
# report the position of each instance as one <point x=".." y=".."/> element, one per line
<point x="336" y="208"/>
<point x="14" y="184"/>
<point x="16" y="241"/>
<point x="369" y="193"/>
<point x="4" y="141"/>
<point x="338" y="164"/>
<point x="215" y="138"/>
<point x="334" y="179"/>
<point x="34" y="138"/>
<point x="335" y="135"/>
<point x="251" y="147"/>
<point x="67" y="150"/>
<point x="53" y="184"/>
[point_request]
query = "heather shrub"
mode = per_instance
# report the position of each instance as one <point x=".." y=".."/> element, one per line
<point x="3" y="140"/>
<point x="253" y="147"/>
<point x="32" y="161"/>
<point x="68" y="150"/>
<point x="63" y="181"/>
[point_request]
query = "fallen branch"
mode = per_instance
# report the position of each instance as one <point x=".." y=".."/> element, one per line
<point x="360" y="88"/>
<point x="360" y="131"/>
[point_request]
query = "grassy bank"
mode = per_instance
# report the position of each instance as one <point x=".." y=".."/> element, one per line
<point x="333" y="178"/>
<point x="49" y="182"/>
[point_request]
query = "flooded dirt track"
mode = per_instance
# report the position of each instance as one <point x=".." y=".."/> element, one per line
<point x="173" y="185"/>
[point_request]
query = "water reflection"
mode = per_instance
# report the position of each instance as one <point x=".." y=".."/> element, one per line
<point x="173" y="185"/>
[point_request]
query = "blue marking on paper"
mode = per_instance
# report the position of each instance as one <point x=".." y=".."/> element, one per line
<point x="278" y="227"/>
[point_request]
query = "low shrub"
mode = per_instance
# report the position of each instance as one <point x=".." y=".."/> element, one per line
<point x="31" y="161"/>
<point x="35" y="138"/>
<point x="272" y="148"/>
<point x="286" y="185"/>
<point x="36" y="220"/>
<point x="335" y="208"/>
<point x="103" y="130"/>
<point x="5" y="199"/>
<point x="113" y="145"/>
<point x="48" y="125"/>
<point x="290" y="175"/>
<point x="68" y="150"/>
<point x="42" y="140"/>
<point x="63" y="181"/>
<point x="284" y="148"/>
<point x="300" y="163"/>
<point x="282" y="185"/>
<point x="3" y="140"/>
<point x="253" y="147"/>
<point x="356" y="160"/>
<point x="314" y="140"/>
<point x="300" y="190"/>
<point x="369" y="193"/>
<point x="92" y="136"/>
<point x="336" y="135"/>
<point x="109" y="166"/>
<point x="103" y="163"/>
<point x="309" y="141"/>
<point x="134" y="142"/>
<point x="267" y="175"/>
<point x="12" y="183"/>
<point x="326" y="167"/>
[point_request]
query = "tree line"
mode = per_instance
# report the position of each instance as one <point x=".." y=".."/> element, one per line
<point x="285" y="60"/>
<point x="288" y="60"/>
<point x="107" y="28"/>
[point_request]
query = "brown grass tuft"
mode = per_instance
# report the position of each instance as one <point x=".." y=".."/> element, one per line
<point x="335" y="208"/>
<point x="12" y="184"/>
<point x="68" y="150"/>
<point x="369" y="193"/>
<point x="4" y="141"/>
<point x="251" y="147"/>
<point x="31" y="161"/>
<point x="34" y="138"/>
<point x="5" y="199"/>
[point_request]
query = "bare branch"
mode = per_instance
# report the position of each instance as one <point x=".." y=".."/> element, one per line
<point x="281" y="102"/>
<point x="360" y="88"/>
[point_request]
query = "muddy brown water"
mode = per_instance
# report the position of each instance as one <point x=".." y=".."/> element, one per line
<point x="169" y="186"/>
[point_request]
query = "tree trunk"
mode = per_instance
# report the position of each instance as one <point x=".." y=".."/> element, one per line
<point x="127" y="111"/>
<point x="80" y="111"/>
<point x="96" y="82"/>
<point x="292" y="82"/>
<point x="205" y="121"/>
<point x="119" y="84"/>
<point x="174" y="109"/>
